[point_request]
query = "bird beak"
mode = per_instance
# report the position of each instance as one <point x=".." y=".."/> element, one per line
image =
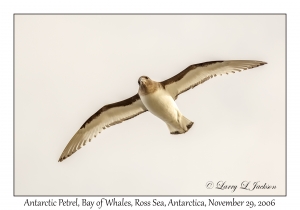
<point x="142" y="80"/>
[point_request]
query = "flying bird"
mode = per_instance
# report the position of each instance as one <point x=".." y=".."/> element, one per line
<point x="156" y="97"/>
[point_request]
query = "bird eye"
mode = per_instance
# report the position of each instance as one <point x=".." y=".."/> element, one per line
<point x="147" y="77"/>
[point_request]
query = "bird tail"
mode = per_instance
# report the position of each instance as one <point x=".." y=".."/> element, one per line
<point x="183" y="126"/>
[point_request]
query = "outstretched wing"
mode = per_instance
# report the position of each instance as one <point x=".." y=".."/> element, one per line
<point x="199" y="73"/>
<point x="107" y="116"/>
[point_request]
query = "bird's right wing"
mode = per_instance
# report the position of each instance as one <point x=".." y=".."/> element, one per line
<point x="107" y="116"/>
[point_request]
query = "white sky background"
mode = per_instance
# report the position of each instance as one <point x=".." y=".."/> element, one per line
<point x="6" y="91"/>
<point x="68" y="67"/>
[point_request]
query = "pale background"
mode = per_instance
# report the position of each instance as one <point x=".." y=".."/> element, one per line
<point x="67" y="67"/>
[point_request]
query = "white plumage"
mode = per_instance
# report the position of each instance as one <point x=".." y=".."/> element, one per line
<point x="162" y="105"/>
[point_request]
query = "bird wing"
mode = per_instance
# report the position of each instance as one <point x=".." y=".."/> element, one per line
<point x="105" y="117"/>
<point x="199" y="73"/>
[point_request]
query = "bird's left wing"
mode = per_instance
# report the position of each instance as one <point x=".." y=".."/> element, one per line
<point x="199" y="73"/>
<point x="107" y="116"/>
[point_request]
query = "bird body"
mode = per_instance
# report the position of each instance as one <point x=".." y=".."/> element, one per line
<point x="156" y="97"/>
<point x="161" y="104"/>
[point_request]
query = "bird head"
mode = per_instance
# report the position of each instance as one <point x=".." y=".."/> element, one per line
<point x="147" y="85"/>
<point x="144" y="80"/>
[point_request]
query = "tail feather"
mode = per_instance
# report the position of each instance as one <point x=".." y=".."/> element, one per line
<point x="183" y="126"/>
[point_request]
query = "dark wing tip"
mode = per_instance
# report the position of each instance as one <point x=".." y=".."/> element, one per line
<point x="260" y="63"/>
<point x="263" y="63"/>
<point x="62" y="158"/>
